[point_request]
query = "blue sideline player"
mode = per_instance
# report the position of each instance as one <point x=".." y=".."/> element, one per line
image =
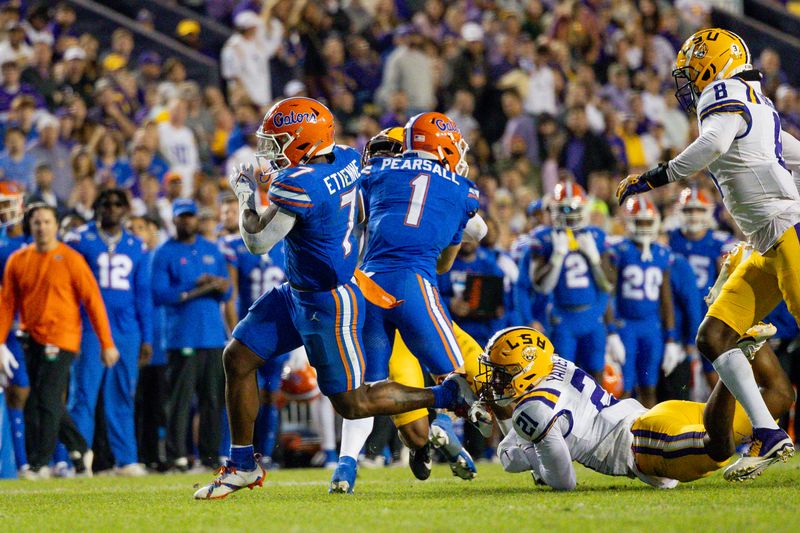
<point x="120" y="263"/>
<point x="570" y="260"/>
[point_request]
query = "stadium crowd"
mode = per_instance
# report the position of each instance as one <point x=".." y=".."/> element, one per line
<point x="543" y="90"/>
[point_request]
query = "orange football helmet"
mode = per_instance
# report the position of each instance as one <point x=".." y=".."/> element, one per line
<point x="301" y="385"/>
<point x="696" y="209"/>
<point x="293" y="131"/>
<point x="641" y="219"/>
<point x="568" y="205"/>
<point x="435" y="134"/>
<point x="11" y="204"/>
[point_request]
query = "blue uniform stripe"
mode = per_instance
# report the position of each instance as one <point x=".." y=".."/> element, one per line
<point x="726" y="106"/>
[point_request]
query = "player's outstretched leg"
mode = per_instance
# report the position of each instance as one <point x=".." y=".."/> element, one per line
<point x="444" y="439"/>
<point x="718" y="342"/>
<point x="243" y="469"/>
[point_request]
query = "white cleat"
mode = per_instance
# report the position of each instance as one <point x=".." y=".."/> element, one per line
<point x="754" y="338"/>
<point x="131" y="470"/>
<point x="769" y="446"/>
<point x="229" y="480"/>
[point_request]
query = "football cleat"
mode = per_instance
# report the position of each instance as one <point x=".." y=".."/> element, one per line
<point x="444" y="439"/>
<point x="131" y="470"/>
<point x="754" y="338"/>
<point x="420" y="462"/>
<point x="229" y="479"/>
<point x="768" y="447"/>
<point x="344" y="477"/>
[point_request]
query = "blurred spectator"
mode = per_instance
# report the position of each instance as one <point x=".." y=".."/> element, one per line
<point x="519" y="137"/>
<point x="543" y="84"/>
<point x="788" y="109"/>
<point x="43" y="190"/>
<point x="113" y="168"/>
<point x="190" y="279"/>
<point x="461" y="114"/>
<point x="584" y="152"/>
<point x="409" y="69"/>
<point x="617" y="90"/>
<point x="15" y="163"/>
<point x="178" y="145"/>
<point x="772" y="75"/>
<point x="82" y="197"/>
<point x="13" y="87"/>
<point x="76" y="79"/>
<point x="38" y="75"/>
<point x="14" y="48"/>
<point x="245" y="58"/>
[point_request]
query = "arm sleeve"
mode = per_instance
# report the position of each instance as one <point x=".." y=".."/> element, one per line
<point x="718" y="132"/>
<point x="144" y="299"/>
<point x="8" y="299"/>
<point x="89" y="294"/>
<point x="791" y="151"/>
<point x="276" y="229"/>
<point x="164" y="293"/>
<point x="553" y="461"/>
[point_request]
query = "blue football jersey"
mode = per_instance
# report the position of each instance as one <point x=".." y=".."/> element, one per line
<point x="702" y="254"/>
<point x="576" y="285"/>
<point x="9" y="245"/>
<point x="321" y="249"/>
<point x="122" y="271"/>
<point x="257" y="273"/>
<point x="416" y="209"/>
<point x="639" y="281"/>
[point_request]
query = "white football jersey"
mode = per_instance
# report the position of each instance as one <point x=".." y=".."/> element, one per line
<point x="756" y="187"/>
<point x="598" y="429"/>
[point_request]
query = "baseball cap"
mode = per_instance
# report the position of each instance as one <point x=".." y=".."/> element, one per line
<point x="246" y="20"/>
<point x="188" y="27"/>
<point x="184" y="206"/>
<point x="74" y="52"/>
<point x="471" y="32"/>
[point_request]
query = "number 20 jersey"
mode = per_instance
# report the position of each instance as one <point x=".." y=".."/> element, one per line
<point x="756" y="187"/>
<point x="576" y="285"/>
<point x="598" y="432"/>
<point x="416" y="208"/>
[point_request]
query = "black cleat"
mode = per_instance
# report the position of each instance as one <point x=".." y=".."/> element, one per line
<point x="420" y="462"/>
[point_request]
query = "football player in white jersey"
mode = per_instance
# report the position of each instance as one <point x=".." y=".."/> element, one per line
<point x="749" y="158"/>
<point x="560" y="415"/>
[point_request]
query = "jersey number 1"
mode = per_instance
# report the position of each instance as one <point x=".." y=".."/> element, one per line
<point x="419" y="191"/>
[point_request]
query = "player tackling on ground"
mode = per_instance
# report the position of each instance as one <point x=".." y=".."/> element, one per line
<point x="748" y="156"/>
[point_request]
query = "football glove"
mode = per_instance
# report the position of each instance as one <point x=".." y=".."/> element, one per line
<point x="588" y="247"/>
<point x="560" y="243"/>
<point x="8" y="363"/>
<point x="243" y="184"/>
<point x="481" y="418"/>
<point x="674" y="354"/>
<point x="635" y="184"/>
<point x="615" y="350"/>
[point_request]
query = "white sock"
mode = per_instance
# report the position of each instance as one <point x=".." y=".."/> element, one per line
<point x="324" y="419"/>
<point x="354" y="435"/>
<point x="736" y="373"/>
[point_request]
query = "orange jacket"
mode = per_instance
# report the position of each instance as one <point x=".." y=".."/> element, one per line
<point x="48" y="290"/>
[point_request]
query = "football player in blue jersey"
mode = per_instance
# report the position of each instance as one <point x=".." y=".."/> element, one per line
<point x="702" y="246"/>
<point x="643" y="301"/>
<point x="121" y="266"/>
<point x="571" y="261"/>
<point x="252" y="276"/>
<point x="417" y="207"/>
<point x="11" y="240"/>
<point x="314" y="204"/>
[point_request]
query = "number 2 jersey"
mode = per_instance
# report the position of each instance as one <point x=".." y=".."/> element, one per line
<point x="321" y="249"/>
<point x="595" y="426"/>
<point x="416" y="208"/>
<point x="576" y="286"/>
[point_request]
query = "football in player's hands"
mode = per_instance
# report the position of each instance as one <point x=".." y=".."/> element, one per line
<point x="588" y="247"/>
<point x="560" y="243"/>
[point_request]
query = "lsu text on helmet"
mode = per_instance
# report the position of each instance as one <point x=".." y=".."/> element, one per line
<point x="515" y="360"/>
<point x="709" y="55"/>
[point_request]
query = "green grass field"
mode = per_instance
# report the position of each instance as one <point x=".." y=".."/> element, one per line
<point x="389" y="500"/>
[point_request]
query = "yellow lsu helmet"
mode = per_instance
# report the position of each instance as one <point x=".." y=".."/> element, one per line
<point x="387" y="143"/>
<point x="514" y="360"/>
<point x="708" y="55"/>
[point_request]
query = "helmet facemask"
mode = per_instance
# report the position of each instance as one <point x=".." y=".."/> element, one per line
<point x="497" y="381"/>
<point x="686" y="91"/>
<point x="695" y="218"/>
<point x="271" y="151"/>
<point x="570" y="214"/>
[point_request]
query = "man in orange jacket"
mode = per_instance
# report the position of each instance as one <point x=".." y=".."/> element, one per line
<point x="47" y="282"/>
